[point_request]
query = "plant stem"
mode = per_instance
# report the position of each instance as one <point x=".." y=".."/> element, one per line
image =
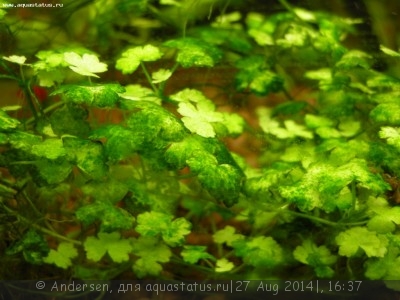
<point x="8" y="77"/>
<point x="316" y="219"/>
<point x="46" y="110"/>
<point x="353" y="195"/>
<point x="27" y="198"/>
<point x="40" y="228"/>
<point x="148" y="77"/>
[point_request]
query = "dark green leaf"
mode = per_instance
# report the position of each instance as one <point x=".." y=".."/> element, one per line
<point x="88" y="156"/>
<point x="195" y="52"/>
<point x="120" y="141"/>
<point x="105" y="95"/>
<point x="33" y="246"/>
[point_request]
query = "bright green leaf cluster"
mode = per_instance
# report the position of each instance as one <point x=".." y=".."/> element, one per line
<point x="259" y="251"/>
<point x="151" y="252"/>
<point x="255" y="75"/>
<point x="192" y="254"/>
<point x="271" y="126"/>
<point x="86" y="65"/>
<point x="194" y="52"/>
<point x="320" y="258"/>
<point x="131" y="58"/>
<point x="351" y="242"/>
<point x="152" y="224"/>
<point x="105" y="95"/>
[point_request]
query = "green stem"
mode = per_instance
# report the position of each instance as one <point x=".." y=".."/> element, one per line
<point x="22" y="163"/>
<point x="287" y="94"/>
<point x="9" y="77"/>
<point x="323" y="221"/>
<point x="40" y="228"/>
<point x="237" y="269"/>
<point x="148" y="77"/>
<point x="316" y="219"/>
<point x="46" y="110"/>
<point x="353" y="195"/>
<point x="27" y="198"/>
<point x="51" y="233"/>
<point x="162" y="84"/>
<point x="34" y="98"/>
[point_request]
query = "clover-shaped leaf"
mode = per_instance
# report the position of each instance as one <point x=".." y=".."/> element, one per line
<point x="152" y="252"/>
<point x="131" y="58"/>
<point x="198" y="118"/>
<point x="192" y="254"/>
<point x="86" y="65"/>
<point x="62" y="257"/>
<point x="153" y="223"/>
<point x="110" y="243"/>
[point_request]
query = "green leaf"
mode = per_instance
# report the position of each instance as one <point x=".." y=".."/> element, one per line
<point x="389" y="51"/>
<point x="54" y="171"/>
<point x="111" y="218"/>
<point x="190" y="150"/>
<point x="23" y="141"/>
<point x="104" y="95"/>
<point x="195" y="52"/>
<point x="314" y="121"/>
<point x="232" y="38"/>
<point x="152" y="252"/>
<point x="70" y="120"/>
<point x="227" y="236"/>
<point x="322" y="183"/>
<point x="259" y="251"/>
<point x="189" y="95"/>
<point x="63" y="256"/>
<point x="86" y="65"/>
<point x="388" y="113"/>
<point x="254" y="75"/>
<point x="160" y="75"/>
<point x="151" y="224"/>
<point x="118" y="249"/>
<point x="383" y="217"/>
<point x="198" y="119"/>
<point x="89" y="156"/>
<point x="354" y="59"/>
<point x="136" y="92"/>
<point x="2" y="13"/>
<point x="110" y="190"/>
<point x="20" y="60"/>
<point x="223" y="265"/>
<point x="192" y="254"/>
<point x="289" y="108"/>
<point x="224" y="182"/>
<point x="50" y="149"/>
<point x="317" y="257"/>
<point x="353" y="239"/>
<point x="49" y="60"/>
<point x="386" y="268"/>
<point x="6" y="122"/>
<point x="234" y="123"/>
<point x="131" y="58"/>
<point x="272" y="126"/>
<point x="391" y="134"/>
<point x="120" y="141"/>
<point x="33" y="246"/>
<point x="158" y="126"/>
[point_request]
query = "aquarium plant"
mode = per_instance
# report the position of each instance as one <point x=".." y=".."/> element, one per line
<point x="279" y="160"/>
